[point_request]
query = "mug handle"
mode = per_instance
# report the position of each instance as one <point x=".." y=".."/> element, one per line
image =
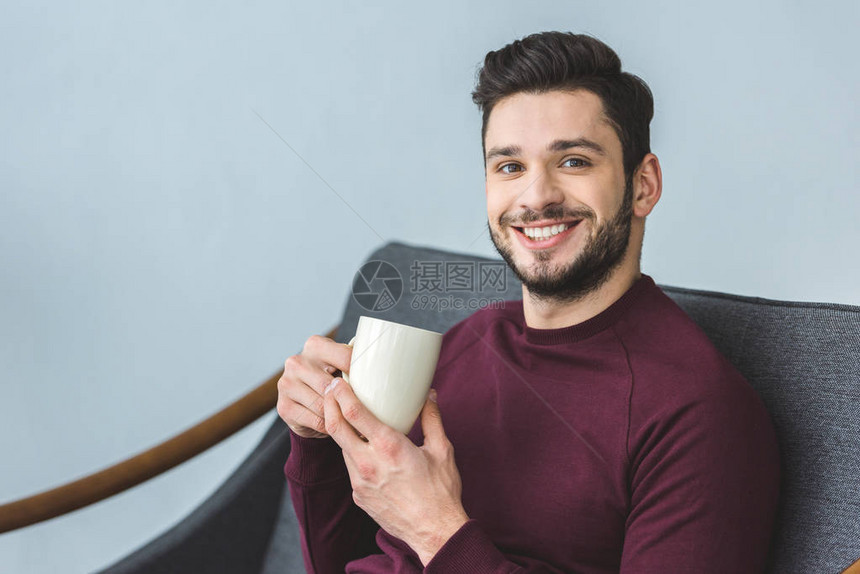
<point x="343" y="374"/>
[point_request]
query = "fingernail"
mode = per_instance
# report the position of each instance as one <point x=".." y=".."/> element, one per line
<point x="331" y="385"/>
<point x="330" y="370"/>
<point x="433" y="395"/>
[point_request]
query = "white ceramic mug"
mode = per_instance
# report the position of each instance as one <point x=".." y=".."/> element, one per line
<point x="391" y="369"/>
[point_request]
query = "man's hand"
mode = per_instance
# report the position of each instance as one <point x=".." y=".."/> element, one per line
<point x="413" y="493"/>
<point x="306" y="375"/>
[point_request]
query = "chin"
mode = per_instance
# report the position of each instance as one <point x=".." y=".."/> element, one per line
<point x="566" y="272"/>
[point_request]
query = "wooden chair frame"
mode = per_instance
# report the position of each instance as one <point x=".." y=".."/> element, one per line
<point x="146" y="465"/>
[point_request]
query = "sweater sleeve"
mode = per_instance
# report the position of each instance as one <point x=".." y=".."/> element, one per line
<point x="704" y="486"/>
<point x="470" y="551"/>
<point x="334" y="531"/>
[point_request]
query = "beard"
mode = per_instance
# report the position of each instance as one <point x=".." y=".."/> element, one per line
<point x="600" y="256"/>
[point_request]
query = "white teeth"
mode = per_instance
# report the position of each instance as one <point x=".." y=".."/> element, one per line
<point x="544" y="232"/>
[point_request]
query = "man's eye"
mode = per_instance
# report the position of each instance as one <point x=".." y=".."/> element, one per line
<point x="509" y="168"/>
<point x="574" y="162"/>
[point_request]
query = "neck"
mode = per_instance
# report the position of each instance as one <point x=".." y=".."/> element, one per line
<point x="542" y="313"/>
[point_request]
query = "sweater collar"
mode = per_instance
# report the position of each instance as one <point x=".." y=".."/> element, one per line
<point x="590" y="327"/>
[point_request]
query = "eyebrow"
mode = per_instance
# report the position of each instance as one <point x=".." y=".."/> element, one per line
<point x="557" y="145"/>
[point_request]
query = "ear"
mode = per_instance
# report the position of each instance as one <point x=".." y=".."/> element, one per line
<point x="647" y="185"/>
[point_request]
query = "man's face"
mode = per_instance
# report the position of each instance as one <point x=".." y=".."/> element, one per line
<point x="559" y="212"/>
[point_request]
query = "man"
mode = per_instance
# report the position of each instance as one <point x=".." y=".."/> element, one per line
<point x="596" y="429"/>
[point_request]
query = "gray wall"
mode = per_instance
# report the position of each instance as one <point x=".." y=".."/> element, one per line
<point x="162" y="250"/>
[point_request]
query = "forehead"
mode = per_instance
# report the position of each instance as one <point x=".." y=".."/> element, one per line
<point x="532" y="120"/>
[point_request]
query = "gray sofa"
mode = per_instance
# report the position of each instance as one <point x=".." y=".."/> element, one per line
<point x="802" y="358"/>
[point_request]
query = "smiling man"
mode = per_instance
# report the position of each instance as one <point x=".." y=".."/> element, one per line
<point x="596" y="428"/>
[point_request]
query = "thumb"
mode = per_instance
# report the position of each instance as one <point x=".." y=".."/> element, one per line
<point x="431" y="419"/>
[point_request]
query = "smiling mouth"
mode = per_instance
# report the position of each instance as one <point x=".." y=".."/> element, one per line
<point x="538" y="234"/>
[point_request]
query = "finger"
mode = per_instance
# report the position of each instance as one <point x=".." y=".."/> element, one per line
<point x="351" y="469"/>
<point x="336" y="424"/>
<point x="294" y="398"/>
<point x="303" y="417"/>
<point x="431" y="420"/>
<point x="355" y="413"/>
<point x="326" y="353"/>
<point x="306" y="396"/>
<point x="303" y="370"/>
<point x="360" y="473"/>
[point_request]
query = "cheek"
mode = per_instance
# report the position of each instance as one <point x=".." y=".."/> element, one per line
<point x="605" y="197"/>
<point x="501" y="199"/>
<point x="494" y="207"/>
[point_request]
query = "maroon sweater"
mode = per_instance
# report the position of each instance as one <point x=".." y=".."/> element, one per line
<point x="626" y="443"/>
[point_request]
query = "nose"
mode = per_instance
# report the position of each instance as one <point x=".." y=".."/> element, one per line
<point x="541" y="191"/>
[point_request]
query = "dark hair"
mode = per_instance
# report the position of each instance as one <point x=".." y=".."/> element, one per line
<point x="564" y="61"/>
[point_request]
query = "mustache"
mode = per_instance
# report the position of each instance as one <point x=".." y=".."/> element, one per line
<point x="553" y="213"/>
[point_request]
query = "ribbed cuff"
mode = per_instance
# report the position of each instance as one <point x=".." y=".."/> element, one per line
<point x="314" y="460"/>
<point x="468" y="551"/>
